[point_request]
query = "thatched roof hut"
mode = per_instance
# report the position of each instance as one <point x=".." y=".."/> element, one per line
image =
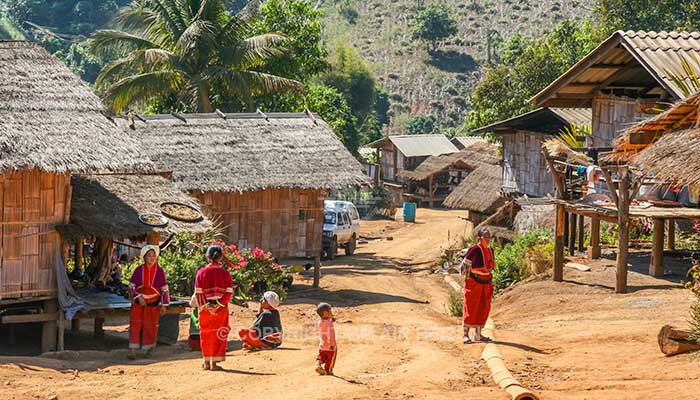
<point x="262" y="177"/>
<point x="247" y="152"/>
<point x="470" y="158"/>
<point x="479" y="192"/>
<point x="108" y="207"/>
<point x="51" y="121"/>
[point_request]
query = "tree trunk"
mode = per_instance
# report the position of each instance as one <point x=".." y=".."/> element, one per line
<point x="204" y="105"/>
<point x="674" y="341"/>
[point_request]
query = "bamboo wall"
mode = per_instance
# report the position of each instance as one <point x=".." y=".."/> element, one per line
<point x="524" y="167"/>
<point x="286" y="222"/>
<point x="31" y="203"/>
<point x="612" y="115"/>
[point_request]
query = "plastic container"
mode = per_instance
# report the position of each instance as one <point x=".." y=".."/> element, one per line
<point x="409" y="212"/>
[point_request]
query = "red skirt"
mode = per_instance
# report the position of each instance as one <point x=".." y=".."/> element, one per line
<point x="477" y="302"/>
<point x="213" y="334"/>
<point x="143" y="326"/>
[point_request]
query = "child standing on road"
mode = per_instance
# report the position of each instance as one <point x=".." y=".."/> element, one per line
<point x="328" y="349"/>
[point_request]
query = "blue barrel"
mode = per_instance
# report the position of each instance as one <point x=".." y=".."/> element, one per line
<point x="409" y="212"/>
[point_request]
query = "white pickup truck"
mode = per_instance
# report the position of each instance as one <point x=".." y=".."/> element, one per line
<point x="341" y="227"/>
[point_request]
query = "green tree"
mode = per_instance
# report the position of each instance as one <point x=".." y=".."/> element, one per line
<point x="434" y="24"/>
<point x="302" y="24"/>
<point x="647" y="15"/>
<point x="185" y="48"/>
<point x="330" y="104"/>
<point x="528" y="67"/>
<point x="422" y="124"/>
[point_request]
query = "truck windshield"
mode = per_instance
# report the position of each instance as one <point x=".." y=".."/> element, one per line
<point x="329" y="217"/>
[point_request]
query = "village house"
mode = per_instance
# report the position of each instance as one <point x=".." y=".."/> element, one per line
<point x="262" y="178"/>
<point x="462" y="142"/>
<point x="51" y="127"/>
<point x="524" y="167"/>
<point x="626" y="79"/>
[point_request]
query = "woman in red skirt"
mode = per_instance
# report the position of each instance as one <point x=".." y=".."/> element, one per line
<point x="478" y="289"/>
<point x="213" y="288"/>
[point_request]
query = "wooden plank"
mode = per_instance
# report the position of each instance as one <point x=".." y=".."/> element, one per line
<point x="28" y="318"/>
<point x="623" y="232"/>
<point x="594" y="248"/>
<point x="656" y="266"/>
<point x="558" y="272"/>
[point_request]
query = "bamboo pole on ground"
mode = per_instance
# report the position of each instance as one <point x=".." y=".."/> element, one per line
<point x="500" y="374"/>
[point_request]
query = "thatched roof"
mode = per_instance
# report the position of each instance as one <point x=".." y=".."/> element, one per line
<point x="50" y="120"/>
<point x="480" y="191"/>
<point x="470" y="158"/>
<point x="500" y="223"/>
<point x="108" y="206"/>
<point x="462" y="142"/>
<point x="557" y="148"/>
<point x="246" y="152"/>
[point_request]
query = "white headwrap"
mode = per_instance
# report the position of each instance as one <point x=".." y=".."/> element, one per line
<point x="145" y="249"/>
<point x="272" y="299"/>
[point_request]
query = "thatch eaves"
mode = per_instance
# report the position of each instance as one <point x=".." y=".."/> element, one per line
<point x="108" y="207"/>
<point x="247" y="152"/>
<point x="51" y="121"/>
<point x="480" y="191"/>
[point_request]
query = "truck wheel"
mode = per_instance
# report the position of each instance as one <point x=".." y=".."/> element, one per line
<point x="332" y="248"/>
<point x="350" y="247"/>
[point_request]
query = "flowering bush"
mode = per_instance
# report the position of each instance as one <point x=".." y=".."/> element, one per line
<point x="253" y="271"/>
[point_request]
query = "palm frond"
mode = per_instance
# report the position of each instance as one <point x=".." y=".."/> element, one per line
<point x="106" y="42"/>
<point x="254" y="51"/>
<point x="141" y="87"/>
<point x="575" y="136"/>
<point x="253" y="83"/>
<point x="170" y="16"/>
<point x="198" y="39"/>
<point x="147" y="60"/>
<point x="687" y="79"/>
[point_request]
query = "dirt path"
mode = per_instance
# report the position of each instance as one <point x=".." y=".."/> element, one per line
<point x="395" y="339"/>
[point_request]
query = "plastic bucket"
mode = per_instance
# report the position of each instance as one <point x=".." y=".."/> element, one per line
<point x="409" y="212"/>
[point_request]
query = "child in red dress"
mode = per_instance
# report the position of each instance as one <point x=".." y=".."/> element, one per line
<point x="328" y="350"/>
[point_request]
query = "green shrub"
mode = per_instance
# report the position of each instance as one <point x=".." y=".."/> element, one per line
<point x="455" y="303"/>
<point x="511" y="261"/>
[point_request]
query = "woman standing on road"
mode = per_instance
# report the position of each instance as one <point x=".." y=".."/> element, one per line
<point x="213" y="288"/>
<point x="149" y="298"/>
<point x="478" y="288"/>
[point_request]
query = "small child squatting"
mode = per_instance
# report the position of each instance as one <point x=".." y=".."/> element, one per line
<point x="328" y="350"/>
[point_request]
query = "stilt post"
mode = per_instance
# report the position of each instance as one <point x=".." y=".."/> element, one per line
<point x="623" y="232"/>
<point x="594" y="246"/>
<point x="558" y="273"/>
<point x="656" y="267"/>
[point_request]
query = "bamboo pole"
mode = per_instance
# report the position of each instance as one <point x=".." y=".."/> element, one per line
<point x="656" y="267"/>
<point x="623" y="231"/>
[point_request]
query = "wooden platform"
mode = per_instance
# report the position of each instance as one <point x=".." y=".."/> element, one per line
<point x="608" y="213"/>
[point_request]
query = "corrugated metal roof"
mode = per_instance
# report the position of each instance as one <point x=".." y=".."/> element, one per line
<point x="641" y="60"/>
<point x="419" y="145"/>
<point x="544" y="120"/>
<point x="574" y="116"/>
<point x="465" y="141"/>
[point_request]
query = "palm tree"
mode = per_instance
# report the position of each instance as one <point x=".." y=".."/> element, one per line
<point x="185" y="48"/>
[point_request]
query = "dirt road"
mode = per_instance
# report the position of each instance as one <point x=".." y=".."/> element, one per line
<point x="395" y="339"/>
<point x="572" y="340"/>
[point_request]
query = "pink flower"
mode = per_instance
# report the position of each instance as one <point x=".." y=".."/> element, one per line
<point x="258" y="254"/>
<point x="232" y="247"/>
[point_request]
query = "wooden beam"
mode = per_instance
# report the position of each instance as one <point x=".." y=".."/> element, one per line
<point x="623" y="232"/>
<point x="558" y="272"/>
<point x="317" y="271"/>
<point x="572" y="234"/>
<point x="581" y="234"/>
<point x="594" y="246"/>
<point x="61" y="331"/>
<point x="28" y="318"/>
<point x="671" y="234"/>
<point x="48" y="334"/>
<point x="561" y="192"/>
<point x="430" y="191"/>
<point x="611" y="186"/>
<point x="644" y="137"/>
<point x="152" y="237"/>
<point x="656" y="267"/>
<point x="99" y="331"/>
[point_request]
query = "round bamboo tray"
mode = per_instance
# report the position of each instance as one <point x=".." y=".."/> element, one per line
<point x="180" y="212"/>
<point x="153" y="219"/>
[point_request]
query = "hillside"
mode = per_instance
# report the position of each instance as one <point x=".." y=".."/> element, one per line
<point x="438" y="85"/>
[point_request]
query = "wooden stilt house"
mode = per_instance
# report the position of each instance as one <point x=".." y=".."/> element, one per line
<point x="51" y="125"/>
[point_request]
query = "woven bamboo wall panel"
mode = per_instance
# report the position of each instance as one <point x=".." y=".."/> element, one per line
<point x="32" y="203"/>
<point x="286" y="222"/>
